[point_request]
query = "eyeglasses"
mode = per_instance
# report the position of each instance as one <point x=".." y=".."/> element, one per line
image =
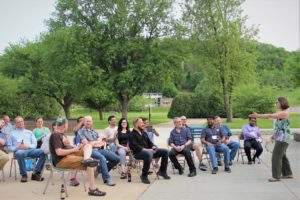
<point x="124" y="122"/>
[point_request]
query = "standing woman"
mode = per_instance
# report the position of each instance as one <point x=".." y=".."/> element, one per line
<point x="121" y="141"/>
<point x="40" y="132"/>
<point x="281" y="168"/>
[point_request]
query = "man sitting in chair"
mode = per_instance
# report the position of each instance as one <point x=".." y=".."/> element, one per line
<point x="23" y="146"/>
<point x="213" y="139"/>
<point x="181" y="142"/>
<point x="252" y="139"/>
<point x="107" y="159"/>
<point x="79" y="157"/>
<point x="143" y="149"/>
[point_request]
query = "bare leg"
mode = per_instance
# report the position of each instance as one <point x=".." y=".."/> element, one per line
<point x="87" y="151"/>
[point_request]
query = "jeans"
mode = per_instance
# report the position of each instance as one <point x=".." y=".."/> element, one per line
<point x="188" y="157"/>
<point x="112" y="147"/>
<point x="20" y="155"/>
<point x="234" y="147"/>
<point x="103" y="156"/>
<point x="212" y="154"/>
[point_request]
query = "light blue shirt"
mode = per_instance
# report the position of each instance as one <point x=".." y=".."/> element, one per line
<point x="8" y="128"/>
<point x="250" y="132"/>
<point x="9" y="141"/>
<point x="24" y="135"/>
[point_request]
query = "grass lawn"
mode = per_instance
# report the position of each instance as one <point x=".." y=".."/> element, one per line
<point x="263" y="123"/>
<point x="158" y="116"/>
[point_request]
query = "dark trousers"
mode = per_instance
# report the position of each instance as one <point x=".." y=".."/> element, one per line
<point x="188" y="157"/>
<point x="147" y="156"/>
<point x="280" y="163"/>
<point x="252" y="143"/>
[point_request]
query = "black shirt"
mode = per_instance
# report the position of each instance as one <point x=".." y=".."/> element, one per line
<point x="123" y="138"/>
<point x="212" y="134"/>
<point x="139" y="141"/>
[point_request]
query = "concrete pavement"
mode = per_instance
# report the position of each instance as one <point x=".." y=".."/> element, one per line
<point x="245" y="182"/>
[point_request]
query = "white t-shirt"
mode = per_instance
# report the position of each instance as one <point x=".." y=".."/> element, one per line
<point x="109" y="132"/>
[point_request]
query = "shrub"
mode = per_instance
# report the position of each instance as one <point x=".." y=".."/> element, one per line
<point x="137" y="104"/>
<point x="170" y="90"/>
<point x="248" y="99"/>
<point x="181" y="105"/>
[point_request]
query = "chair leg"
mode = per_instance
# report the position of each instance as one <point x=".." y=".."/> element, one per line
<point x="15" y="167"/>
<point x="48" y="181"/>
<point x="83" y="180"/>
<point x="3" y="177"/>
<point x="11" y="165"/>
<point x="64" y="182"/>
<point x="154" y="170"/>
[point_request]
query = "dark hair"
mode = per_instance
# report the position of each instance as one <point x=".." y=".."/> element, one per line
<point x="251" y="118"/>
<point x="110" y="117"/>
<point x="78" y="119"/>
<point x="210" y="117"/>
<point x="144" y="119"/>
<point x="53" y="124"/>
<point x="120" y="124"/>
<point x="284" y="104"/>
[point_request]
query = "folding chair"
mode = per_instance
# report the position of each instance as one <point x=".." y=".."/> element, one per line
<point x="180" y="158"/>
<point x="13" y="163"/>
<point x="137" y="164"/>
<point x="241" y="150"/>
<point x="62" y="177"/>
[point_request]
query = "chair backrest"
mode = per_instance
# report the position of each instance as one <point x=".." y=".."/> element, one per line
<point x="196" y="132"/>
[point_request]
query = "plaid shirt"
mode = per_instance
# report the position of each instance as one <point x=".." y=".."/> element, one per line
<point x="88" y="134"/>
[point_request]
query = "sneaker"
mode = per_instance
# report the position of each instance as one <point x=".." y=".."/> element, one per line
<point x="164" y="175"/>
<point x="109" y="182"/>
<point x="215" y="170"/>
<point x="227" y="169"/>
<point x="202" y="167"/>
<point x="220" y="163"/>
<point x="24" y="179"/>
<point x="74" y="182"/>
<point x="37" y="177"/>
<point x="287" y="177"/>
<point x="250" y="162"/>
<point x="230" y="163"/>
<point x="180" y="171"/>
<point x="274" y="179"/>
<point x="145" y="179"/>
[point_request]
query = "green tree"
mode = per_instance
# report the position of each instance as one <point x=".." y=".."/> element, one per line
<point x="226" y="42"/>
<point x="123" y="41"/>
<point x="292" y="68"/>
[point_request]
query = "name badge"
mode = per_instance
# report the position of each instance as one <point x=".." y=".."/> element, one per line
<point x="214" y="137"/>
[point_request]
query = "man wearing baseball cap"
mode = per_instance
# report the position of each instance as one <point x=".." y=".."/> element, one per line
<point x="79" y="157"/>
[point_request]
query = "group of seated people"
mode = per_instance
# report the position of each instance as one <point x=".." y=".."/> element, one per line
<point x="106" y="151"/>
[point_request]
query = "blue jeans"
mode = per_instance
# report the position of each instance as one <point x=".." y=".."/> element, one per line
<point x="20" y="155"/>
<point x="212" y="154"/>
<point x="103" y="156"/>
<point x="234" y="147"/>
<point x="112" y="147"/>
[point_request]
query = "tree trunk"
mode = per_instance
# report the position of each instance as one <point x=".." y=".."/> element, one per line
<point x="100" y="112"/>
<point x="124" y="105"/>
<point x="67" y="110"/>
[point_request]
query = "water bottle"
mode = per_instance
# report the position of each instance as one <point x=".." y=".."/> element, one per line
<point x="128" y="175"/>
<point x="62" y="192"/>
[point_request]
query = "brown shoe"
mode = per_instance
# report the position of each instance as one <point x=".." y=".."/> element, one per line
<point x="250" y="162"/>
<point x="37" y="177"/>
<point x="24" y="179"/>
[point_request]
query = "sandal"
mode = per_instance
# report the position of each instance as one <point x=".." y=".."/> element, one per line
<point x="287" y="177"/>
<point x="74" y="182"/>
<point x="96" y="192"/>
<point x="123" y="175"/>
<point x="274" y="179"/>
<point x="89" y="163"/>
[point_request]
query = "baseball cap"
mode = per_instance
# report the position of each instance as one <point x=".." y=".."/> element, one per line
<point x="61" y="121"/>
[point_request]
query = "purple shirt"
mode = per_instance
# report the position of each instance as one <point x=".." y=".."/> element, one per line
<point x="250" y="132"/>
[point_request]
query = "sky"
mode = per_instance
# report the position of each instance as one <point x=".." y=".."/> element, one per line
<point x="278" y="20"/>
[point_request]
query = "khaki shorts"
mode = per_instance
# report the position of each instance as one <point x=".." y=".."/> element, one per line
<point x="72" y="161"/>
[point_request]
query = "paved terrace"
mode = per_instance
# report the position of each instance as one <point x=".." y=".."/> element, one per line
<point x="245" y="182"/>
